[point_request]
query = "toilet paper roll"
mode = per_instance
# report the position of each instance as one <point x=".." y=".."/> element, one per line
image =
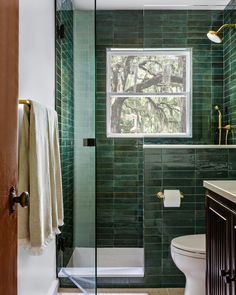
<point x="172" y="198"/>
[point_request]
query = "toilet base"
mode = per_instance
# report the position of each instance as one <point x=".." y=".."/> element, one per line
<point x="194" y="287"/>
<point x="191" y="263"/>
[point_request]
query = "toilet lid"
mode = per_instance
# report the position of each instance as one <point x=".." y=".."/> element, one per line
<point x="192" y="243"/>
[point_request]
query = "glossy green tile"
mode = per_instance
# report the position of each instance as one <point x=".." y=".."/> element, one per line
<point x="162" y="168"/>
<point x="64" y="108"/>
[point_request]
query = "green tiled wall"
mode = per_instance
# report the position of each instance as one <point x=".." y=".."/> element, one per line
<point x="171" y="29"/>
<point x="65" y="110"/>
<point x="183" y="169"/>
<point x="229" y="46"/>
<point x="127" y="215"/>
<point x="119" y="193"/>
<point x="120" y="161"/>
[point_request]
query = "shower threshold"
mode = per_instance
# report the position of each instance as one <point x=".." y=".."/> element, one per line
<point x="102" y="272"/>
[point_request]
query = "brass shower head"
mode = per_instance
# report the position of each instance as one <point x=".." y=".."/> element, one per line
<point x="215" y="36"/>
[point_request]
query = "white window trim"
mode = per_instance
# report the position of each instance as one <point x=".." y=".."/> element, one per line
<point x="188" y="94"/>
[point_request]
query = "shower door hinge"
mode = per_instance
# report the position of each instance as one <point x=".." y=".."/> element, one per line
<point x="61" y="32"/>
<point x="60" y="244"/>
<point x="89" y="142"/>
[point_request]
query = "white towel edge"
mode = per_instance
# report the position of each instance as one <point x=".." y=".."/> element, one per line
<point x="23" y="242"/>
<point x="60" y="222"/>
<point x="37" y="251"/>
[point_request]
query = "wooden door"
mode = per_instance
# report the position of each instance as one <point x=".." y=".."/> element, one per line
<point x="8" y="142"/>
<point x="218" y="248"/>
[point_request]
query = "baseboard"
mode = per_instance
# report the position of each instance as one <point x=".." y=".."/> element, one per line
<point x="54" y="288"/>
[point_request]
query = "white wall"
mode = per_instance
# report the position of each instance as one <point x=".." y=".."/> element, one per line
<point x="37" y="57"/>
<point x="37" y="275"/>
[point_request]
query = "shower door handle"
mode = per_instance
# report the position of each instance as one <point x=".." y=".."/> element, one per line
<point x="89" y="142"/>
<point x="23" y="199"/>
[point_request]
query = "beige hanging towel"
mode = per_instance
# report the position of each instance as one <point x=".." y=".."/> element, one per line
<point x="45" y="214"/>
<point x="55" y="171"/>
<point x="23" y="183"/>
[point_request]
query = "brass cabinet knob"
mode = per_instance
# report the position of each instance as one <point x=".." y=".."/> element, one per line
<point x="23" y="199"/>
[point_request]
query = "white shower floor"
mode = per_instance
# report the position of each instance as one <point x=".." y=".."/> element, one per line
<point x="105" y="272"/>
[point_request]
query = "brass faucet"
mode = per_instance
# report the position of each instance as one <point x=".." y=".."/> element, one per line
<point x="227" y="128"/>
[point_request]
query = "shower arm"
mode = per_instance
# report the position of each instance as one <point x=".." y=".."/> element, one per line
<point x="226" y="26"/>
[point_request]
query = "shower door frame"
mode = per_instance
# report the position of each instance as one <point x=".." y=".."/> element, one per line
<point x="89" y="143"/>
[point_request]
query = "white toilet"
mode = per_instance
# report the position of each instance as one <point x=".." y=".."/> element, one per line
<point x="189" y="255"/>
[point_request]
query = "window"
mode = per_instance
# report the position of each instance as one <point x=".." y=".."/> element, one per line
<point x="149" y="92"/>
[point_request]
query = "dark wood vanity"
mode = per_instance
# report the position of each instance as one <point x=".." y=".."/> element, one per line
<point x="220" y="242"/>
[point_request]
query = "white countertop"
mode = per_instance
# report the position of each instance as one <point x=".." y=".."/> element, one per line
<point x="188" y="146"/>
<point x="224" y="188"/>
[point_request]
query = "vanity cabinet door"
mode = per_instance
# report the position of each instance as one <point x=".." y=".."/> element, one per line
<point x="218" y="248"/>
<point x="233" y="254"/>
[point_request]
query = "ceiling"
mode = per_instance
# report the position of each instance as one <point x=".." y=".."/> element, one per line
<point x="150" y="4"/>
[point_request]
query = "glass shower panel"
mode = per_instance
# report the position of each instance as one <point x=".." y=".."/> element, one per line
<point x="76" y="31"/>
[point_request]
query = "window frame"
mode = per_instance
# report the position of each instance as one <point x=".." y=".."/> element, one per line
<point x="188" y="93"/>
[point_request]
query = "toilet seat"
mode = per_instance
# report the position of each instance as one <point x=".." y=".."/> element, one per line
<point x="192" y="246"/>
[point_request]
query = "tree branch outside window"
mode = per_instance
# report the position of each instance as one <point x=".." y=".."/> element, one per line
<point x="149" y="93"/>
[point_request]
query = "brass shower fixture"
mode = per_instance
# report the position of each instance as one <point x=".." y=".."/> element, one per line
<point x="219" y="122"/>
<point x="215" y="36"/>
<point x="227" y="128"/>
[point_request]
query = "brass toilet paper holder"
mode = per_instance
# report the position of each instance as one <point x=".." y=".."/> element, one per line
<point x="161" y="195"/>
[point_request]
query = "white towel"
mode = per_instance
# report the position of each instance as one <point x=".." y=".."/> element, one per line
<point x="45" y="214"/>
<point x="23" y="183"/>
<point x="55" y="171"/>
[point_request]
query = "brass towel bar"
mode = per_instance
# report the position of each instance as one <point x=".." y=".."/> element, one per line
<point x="25" y="101"/>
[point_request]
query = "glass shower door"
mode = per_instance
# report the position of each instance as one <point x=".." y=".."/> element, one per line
<point x="75" y="103"/>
